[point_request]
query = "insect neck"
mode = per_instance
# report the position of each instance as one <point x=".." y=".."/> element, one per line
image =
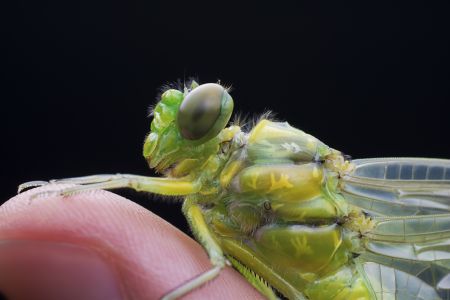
<point x="207" y="169"/>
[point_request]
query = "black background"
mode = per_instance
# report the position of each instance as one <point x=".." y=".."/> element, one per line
<point x="370" y="79"/>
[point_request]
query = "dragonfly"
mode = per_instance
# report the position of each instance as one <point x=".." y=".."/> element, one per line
<point x="297" y="218"/>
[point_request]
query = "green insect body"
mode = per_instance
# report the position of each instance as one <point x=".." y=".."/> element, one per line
<point x="289" y="212"/>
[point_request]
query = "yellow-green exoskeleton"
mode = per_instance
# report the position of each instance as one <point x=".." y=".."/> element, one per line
<point x="293" y="215"/>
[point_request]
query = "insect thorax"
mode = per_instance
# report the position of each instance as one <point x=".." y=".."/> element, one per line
<point x="278" y="196"/>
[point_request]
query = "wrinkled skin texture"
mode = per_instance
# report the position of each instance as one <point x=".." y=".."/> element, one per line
<point x="140" y="255"/>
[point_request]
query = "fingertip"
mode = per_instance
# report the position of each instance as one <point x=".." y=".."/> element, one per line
<point x="149" y="255"/>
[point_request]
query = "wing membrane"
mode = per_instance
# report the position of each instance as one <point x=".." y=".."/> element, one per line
<point x="407" y="252"/>
<point x="414" y="229"/>
<point x="399" y="186"/>
<point x="393" y="278"/>
<point x="408" y="257"/>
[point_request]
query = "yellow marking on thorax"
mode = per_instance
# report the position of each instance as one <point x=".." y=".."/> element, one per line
<point x="276" y="243"/>
<point x="252" y="184"/>
<point x="283" y="182"/>
<point x="300" y="243"/>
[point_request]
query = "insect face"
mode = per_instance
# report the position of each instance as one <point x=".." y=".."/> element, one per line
<point x="186" y="125"/>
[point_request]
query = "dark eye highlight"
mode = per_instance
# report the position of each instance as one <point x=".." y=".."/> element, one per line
<point x="200" y="110"/>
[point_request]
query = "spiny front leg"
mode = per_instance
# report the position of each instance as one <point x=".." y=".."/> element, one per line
<point x="157" y="185"/>
<point x="73" y="180"/>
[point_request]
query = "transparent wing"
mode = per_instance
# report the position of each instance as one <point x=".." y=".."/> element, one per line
<point x="408" y="251"/>
<point x="397" y="279"/>
<point x="399" y="186"/>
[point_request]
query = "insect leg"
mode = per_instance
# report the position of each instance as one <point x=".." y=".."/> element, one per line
<point x="89" y="179"/>
<point x="192" y="284"/>
<point x="74" y="180"/>
<point x="200" y="229"/>
<point x="30" y="184"/>
<point x="157" y="185"/>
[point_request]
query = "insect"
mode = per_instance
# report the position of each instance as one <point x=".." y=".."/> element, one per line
<point x="292" y="215"/>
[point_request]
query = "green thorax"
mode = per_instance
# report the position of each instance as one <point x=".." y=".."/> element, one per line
<point x="278" y="197"/>
<point x="282" y="173"/>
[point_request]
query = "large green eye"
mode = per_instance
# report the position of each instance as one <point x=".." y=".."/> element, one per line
<point x="203" y="111"/>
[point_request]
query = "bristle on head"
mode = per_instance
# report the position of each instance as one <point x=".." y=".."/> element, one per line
<point x="267" y="115"/>
<point x="179" y="84"/>
<point x="227" y="87"/>
<point x="240" y="120"/>
<point x="150" y="110"/>
<point x="247" y="122"/>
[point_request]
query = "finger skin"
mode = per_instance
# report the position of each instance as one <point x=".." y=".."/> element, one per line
<point x="149" y="256"/>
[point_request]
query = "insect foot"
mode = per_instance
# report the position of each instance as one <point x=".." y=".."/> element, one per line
<point x="30" y="184"/>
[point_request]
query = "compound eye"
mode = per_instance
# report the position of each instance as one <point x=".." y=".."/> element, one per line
<point x="200" y="110"/>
